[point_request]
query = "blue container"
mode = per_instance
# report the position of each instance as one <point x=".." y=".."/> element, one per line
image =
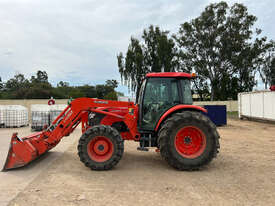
<point x="217" y="113"/>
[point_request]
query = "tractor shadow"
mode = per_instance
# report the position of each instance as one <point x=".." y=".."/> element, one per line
<point x="151" y="161"/>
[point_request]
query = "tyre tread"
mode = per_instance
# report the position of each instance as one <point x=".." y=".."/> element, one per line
<point x="187" y="117"/>
<point x="101" y="130"/>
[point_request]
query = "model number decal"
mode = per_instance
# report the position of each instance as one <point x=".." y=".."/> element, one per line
<point x="101" y="102"/>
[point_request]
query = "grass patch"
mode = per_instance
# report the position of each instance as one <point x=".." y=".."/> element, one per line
<point x="233" y="115"/>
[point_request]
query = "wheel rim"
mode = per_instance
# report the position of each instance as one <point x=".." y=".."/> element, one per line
<point x="190" y="142"/>
<point x="100" y="149"/>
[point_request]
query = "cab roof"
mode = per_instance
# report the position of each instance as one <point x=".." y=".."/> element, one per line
<point x="170" y="74"/>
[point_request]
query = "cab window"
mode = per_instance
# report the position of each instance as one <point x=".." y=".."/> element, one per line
<point x="186" y="91"/>
<point x="160" y="95"/>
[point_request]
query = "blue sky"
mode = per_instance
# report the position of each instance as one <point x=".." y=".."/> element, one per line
<point x="78" y="41"/>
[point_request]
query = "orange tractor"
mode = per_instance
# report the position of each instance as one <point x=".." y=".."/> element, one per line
<point x="163" y="117"/>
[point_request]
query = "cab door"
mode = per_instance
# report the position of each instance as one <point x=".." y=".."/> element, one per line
<point x="159" y="95"/>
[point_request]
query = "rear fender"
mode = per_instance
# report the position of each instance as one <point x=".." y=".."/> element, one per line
<point x="176" y="109"/>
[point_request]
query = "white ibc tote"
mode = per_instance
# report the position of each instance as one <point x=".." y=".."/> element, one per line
<point x="40" y="116"/>
<point x="13" y="116"/>
<point x="2" y="116"/>
<point x="43" y="114"/>
<point x="55" y="110"/>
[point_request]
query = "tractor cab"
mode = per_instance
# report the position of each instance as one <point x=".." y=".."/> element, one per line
<point x="159" y="93"/>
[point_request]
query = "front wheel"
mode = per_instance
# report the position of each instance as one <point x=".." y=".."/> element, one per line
<point x="100" y="147"/>
<point x="188" y="140"/>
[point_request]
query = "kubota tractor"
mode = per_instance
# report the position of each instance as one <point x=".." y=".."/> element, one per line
<point x="163" y="117"/>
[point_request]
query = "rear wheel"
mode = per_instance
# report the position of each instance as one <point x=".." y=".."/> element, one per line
<point x="100" y="147"/>
<point x="188" y="140"/>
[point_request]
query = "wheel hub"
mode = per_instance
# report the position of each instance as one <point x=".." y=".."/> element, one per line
<point x="187" y="140"/>
<point x="100" y="149"/>
<point x="190" y="142"/>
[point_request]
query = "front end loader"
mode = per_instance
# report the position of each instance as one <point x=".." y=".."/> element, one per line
<point x="163" y="117"/>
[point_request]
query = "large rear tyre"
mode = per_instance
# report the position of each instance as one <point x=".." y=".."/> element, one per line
<point x="100" y="147"/>
<point x="188" y="140"/>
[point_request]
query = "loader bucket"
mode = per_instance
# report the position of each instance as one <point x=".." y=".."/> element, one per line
<point x="23" y="151"/>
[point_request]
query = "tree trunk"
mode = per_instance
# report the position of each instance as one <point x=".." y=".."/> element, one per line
<point x="212" y="95"/>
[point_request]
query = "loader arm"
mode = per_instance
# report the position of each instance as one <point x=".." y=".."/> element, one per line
<point x="26" y="149"/>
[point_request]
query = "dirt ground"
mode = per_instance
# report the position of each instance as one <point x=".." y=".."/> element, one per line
<point x="14" y="181"/>
<point x="242" y="174"/>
